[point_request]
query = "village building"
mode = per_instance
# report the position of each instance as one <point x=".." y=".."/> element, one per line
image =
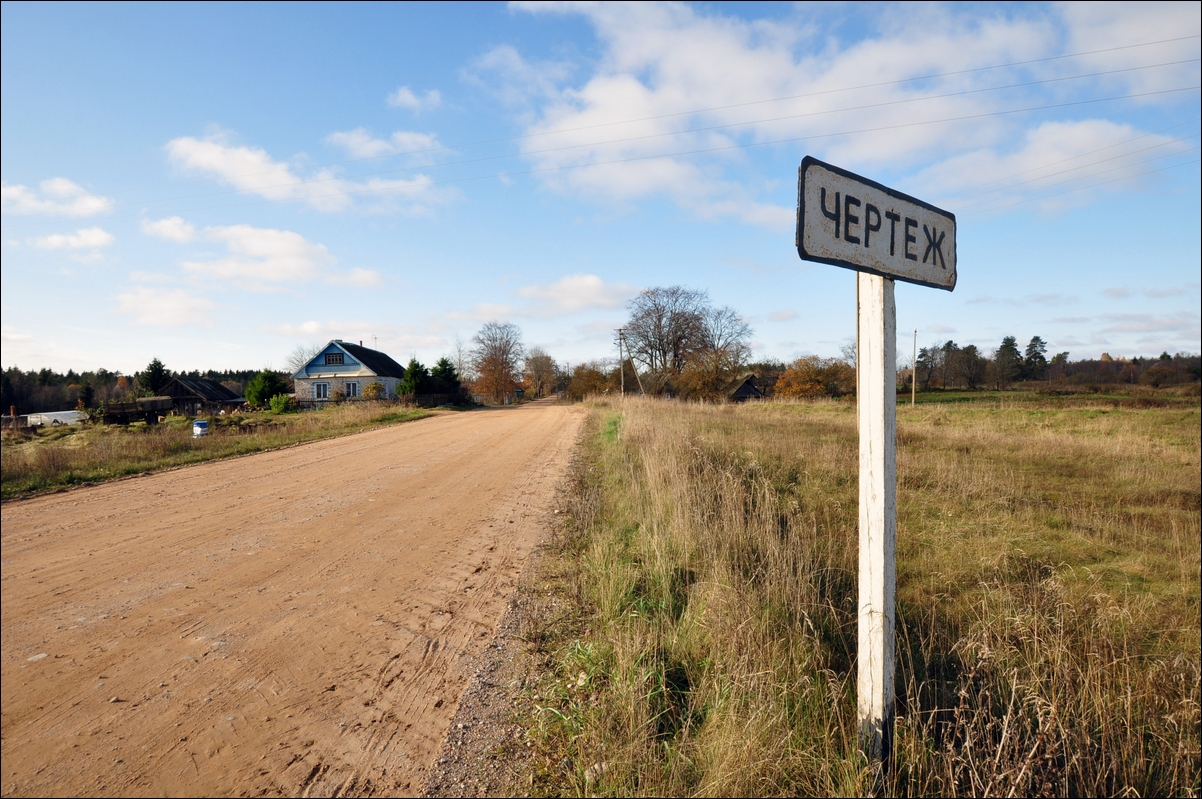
<point x="343" y="371"/>
<point x="196" y="396"/>
<point x="743" y="389"/>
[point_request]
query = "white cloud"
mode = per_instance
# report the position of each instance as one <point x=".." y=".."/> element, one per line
<point x="10" y="335"/>
<point x="260" y="259"/>
<point x="173" y="228"/>
<point x="575" y="293"/>
<point x="660" y="62"/>
<point x="405" y="98"/>
<point x="358" y="278"/>
<point x="83" y="239"/>
<point x="164" y="307"/>
<point x="252" y="170"/>
<point x="397" y="340"/>
<point x="783" y="315"/>
<point x="58" y="196"/>
<point x="359" y="143"/>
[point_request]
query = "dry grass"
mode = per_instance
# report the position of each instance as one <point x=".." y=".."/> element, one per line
<point x="703" y="637"/>
<point x="54" y="458"/>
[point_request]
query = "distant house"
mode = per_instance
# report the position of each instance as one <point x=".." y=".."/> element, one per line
<point x="743" y="389"/>
<point x="342" y="371"/>
<point x="195" y="396"/>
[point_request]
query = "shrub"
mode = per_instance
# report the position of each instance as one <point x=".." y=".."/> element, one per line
<point x="281" y="403"/>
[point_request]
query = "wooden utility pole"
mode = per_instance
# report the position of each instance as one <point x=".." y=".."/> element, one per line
<point x="876" y="366"/>
<point x="621" y="364"/>
<point x="914" y="372"/>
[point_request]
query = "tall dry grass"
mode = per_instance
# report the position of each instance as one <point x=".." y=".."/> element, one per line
<point x="700" y="637"/>
<point x="58" y="457"/>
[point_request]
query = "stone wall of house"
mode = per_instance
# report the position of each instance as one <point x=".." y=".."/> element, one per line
<point x="304" y="386"/>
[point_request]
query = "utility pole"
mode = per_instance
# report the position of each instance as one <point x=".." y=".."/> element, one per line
<point x="914" y="372"/>
<point x="621" y="366"/>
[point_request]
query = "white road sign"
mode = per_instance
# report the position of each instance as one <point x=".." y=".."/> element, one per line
<point x="850" y="221"/>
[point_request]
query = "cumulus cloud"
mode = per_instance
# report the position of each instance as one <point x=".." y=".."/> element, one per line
<point x="253" y="171"/>
<point x="173" y="228"/>
<point x="388" y="338"/>
<point x="260" y="259"/>
<point x="91" y="238"/>
<point x="404" y="97"/>
<point x="360" y="143"/>
<point x="164" y="307"/>
<point x="575" y="293"/>
<point x="57" y="196"/>
<point x="677" y="91"/>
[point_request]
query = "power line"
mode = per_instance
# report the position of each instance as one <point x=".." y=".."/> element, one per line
<point x="705" y="110"/>
<point x="1086" y="166"/>
<point x="698" y="151"/>
<point x="1085" y="177"/>
<point x="1082" y="188"/>
<point x="660" y="135"/>
<point x="1072" y="158"/>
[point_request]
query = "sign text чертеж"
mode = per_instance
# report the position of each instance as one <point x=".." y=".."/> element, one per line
<point x="847" y="220"/>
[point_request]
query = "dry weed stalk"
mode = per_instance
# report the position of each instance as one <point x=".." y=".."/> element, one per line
<point x="1048" y="636"/>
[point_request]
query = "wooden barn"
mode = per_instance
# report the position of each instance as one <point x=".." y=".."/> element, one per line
<point x="196" y="396"/>
<point x="743" y="389"/>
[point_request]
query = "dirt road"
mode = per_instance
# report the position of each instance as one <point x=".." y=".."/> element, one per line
<point x="294" y="622"/>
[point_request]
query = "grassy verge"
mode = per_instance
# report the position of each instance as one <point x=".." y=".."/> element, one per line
<point x="700" y="633"/>
<point x="57" y="457"/>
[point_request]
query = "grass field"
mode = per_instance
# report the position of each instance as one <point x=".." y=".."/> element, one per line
<point x="58" y="457"/>
<point x="697" y="635"/>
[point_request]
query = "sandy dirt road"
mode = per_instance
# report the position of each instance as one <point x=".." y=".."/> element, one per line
<point x="296" y="622"/>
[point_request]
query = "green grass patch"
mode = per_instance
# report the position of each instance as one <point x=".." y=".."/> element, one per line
<point x="704" y="591"/>
<point x="53" y="458"/>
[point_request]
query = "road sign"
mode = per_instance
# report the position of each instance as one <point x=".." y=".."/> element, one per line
<point x="850" y="221"/>
<point x="847" y="220"/>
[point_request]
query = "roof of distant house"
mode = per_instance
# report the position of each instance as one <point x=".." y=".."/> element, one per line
<point x="378" y="362"/>
<point x="199" y="387"/>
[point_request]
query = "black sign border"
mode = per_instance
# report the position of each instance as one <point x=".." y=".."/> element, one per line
<point x="809" y="161"/>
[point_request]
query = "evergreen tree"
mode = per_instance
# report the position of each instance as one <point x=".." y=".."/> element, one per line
<point x="1008" y="362"/>
<point x="416" y="379"/>
<point x="152" y="378"/>
<point x="1035" y="362"/>
<point x="444" y="377"/>
<point x="263" y="386"/>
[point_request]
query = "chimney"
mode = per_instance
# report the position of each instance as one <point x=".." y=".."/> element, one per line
<point x="360" y="342"/>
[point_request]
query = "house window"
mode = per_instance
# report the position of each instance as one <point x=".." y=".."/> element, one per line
<point x="352" y="390"/>
<point x="333" y="359"/>
<point x="321" y="391"/>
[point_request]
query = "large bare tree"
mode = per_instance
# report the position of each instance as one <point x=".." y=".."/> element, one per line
<point x="540" y="372"/>
<point x="497" y="359"/>
<point x="666" y="326"/>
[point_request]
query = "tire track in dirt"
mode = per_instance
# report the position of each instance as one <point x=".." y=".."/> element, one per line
<point x="297" y="622"/>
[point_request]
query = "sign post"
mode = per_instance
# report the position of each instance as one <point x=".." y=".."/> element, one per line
<point x="847" y="220"/>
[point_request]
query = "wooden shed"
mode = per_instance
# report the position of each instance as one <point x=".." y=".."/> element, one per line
<point x="194" y="396"/>
<point x="743" y="389"/>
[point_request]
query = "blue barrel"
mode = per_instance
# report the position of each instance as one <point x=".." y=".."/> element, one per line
<point x="200" y="428"/>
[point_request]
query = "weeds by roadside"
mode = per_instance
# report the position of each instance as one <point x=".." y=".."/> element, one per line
<point x="73" y="455"/>
<point x="700" y="634"/>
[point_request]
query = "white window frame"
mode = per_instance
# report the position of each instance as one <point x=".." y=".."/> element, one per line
<point x="321" y="391"/>
<point x="352" y="389"/>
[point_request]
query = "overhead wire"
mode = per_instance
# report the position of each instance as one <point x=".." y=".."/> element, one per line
<point x="1082" y="188"/>
<point x="330" y="179"/>
<point x="879" y="84"/>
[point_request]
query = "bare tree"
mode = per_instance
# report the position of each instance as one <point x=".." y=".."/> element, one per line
<point x="300" y="356"/>
<point x="462" y="357"/>
<point x="540" y="372"/>
<point x="496" y="357"/>
<point x="666" y="326"/>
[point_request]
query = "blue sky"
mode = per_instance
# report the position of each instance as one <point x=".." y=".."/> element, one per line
<point x="215" y="184"/>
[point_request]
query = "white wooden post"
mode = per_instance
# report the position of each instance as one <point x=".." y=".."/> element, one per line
<point x="876" y="367"/>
